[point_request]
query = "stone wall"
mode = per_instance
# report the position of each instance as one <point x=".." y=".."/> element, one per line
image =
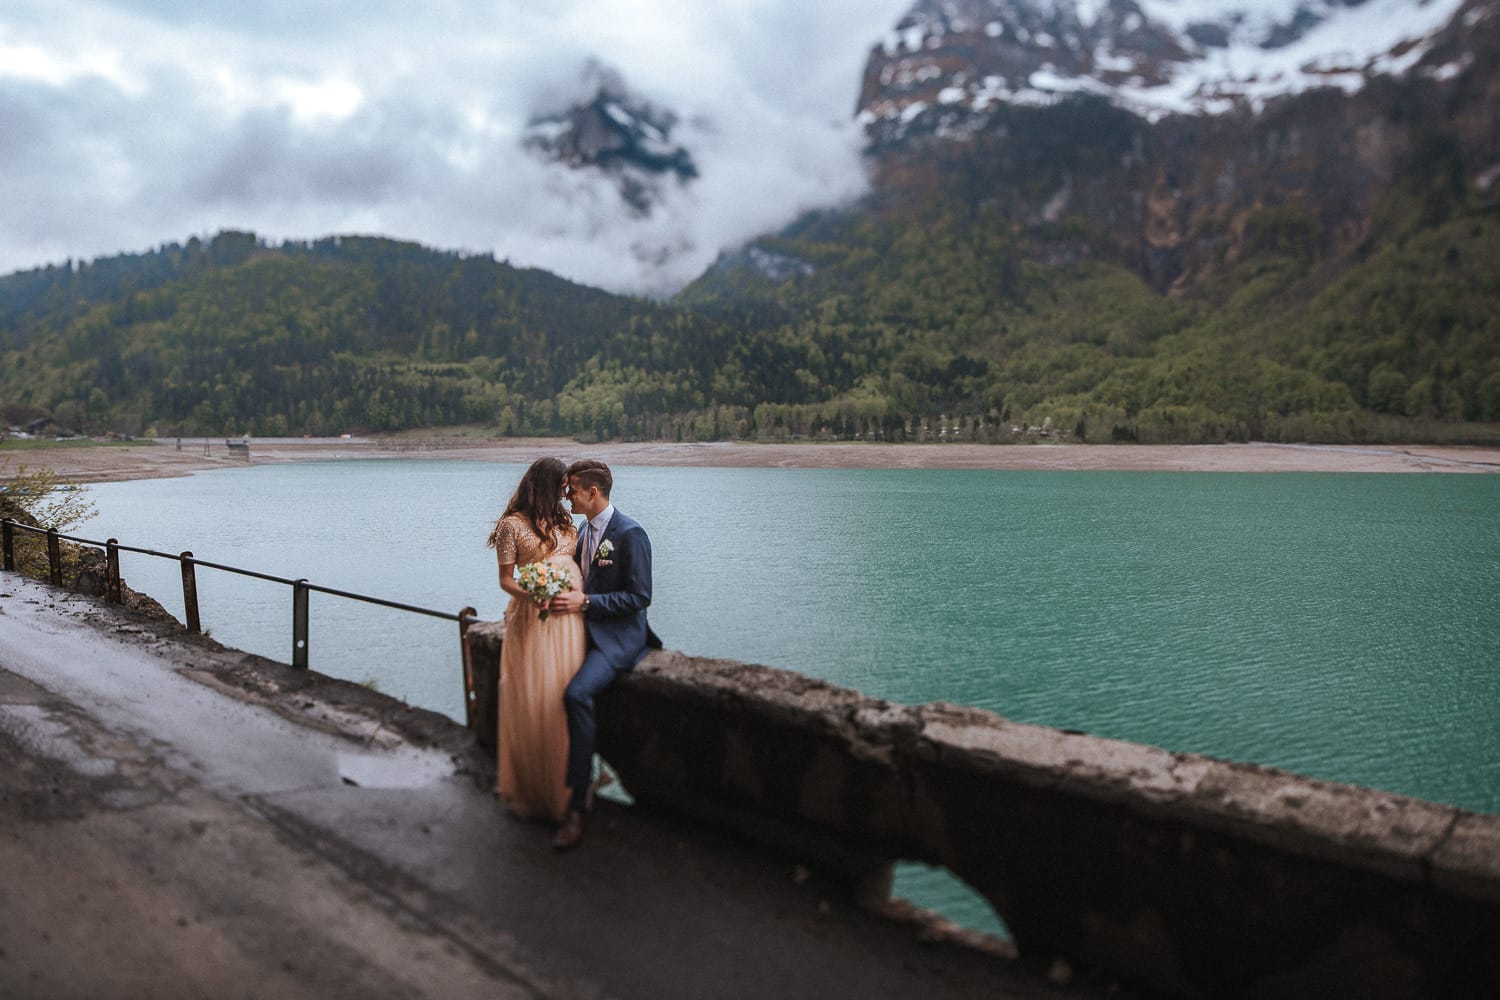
<point x="1191" y="875"/>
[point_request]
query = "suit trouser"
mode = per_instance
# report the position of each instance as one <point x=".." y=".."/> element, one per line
<point x="593" y="677"/>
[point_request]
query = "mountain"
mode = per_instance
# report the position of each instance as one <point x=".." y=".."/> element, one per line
<point x="617" y="133"/>
<point x="1169" y="135"/>
<point x="950" y="61"/>
<point x="1198" y="220"/>
<point x="234" y="335"/>
<point x="1101" y="220"/>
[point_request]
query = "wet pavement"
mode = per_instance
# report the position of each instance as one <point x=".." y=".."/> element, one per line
<point x="179" y="819"/>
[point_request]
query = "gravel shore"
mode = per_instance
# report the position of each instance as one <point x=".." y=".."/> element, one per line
<point x="163" y="458"/>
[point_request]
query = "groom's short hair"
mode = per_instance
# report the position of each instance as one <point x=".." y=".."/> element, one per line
<point x="592" y="472"/>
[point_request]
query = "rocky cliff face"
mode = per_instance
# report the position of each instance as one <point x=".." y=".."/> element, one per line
<point x="618" y="134"/>
<point x="1183" y="141"/>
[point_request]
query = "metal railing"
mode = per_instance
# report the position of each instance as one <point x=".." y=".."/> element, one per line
<point x="301" y="588"/>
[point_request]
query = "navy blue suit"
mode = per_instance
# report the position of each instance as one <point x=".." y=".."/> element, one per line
<point x="618" y="586"/>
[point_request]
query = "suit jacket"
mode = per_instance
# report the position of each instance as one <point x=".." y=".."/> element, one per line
<point x="619" y="590"/>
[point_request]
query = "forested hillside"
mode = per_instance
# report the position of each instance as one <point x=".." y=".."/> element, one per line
<point x="917" y="323"/>
<point x="363" y="334"/>
<point x="1321" y="263"/>
<point x="966" y="326"/>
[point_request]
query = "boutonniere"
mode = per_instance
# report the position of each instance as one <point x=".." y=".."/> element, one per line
<point x="603" y="552"/>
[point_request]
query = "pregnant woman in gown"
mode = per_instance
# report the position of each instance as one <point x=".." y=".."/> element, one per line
<point x="539" y="655"/>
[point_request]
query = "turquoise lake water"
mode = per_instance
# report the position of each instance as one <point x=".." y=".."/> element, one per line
<point x="1343" y="626"/>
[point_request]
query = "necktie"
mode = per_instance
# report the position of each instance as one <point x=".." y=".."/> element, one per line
<point x="586" y="553"/>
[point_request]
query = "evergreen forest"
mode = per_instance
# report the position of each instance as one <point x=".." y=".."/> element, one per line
<point x="920" y="324"/>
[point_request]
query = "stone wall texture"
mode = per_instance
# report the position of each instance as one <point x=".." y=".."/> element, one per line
<point x="1195" y="876"/>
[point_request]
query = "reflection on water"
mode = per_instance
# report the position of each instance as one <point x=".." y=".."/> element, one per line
<point x="1342" y="626"/>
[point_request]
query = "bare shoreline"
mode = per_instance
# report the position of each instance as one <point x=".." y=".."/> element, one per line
<point x="148" y="460"/>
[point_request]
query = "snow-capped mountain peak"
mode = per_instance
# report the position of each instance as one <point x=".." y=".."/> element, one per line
<point x="951" y="58"/>
<point x="618" y="133"/>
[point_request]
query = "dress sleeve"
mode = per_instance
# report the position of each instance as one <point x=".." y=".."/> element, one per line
<point x="504" y="540"/>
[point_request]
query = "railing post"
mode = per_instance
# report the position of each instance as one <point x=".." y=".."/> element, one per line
<point x="9" y="544"/>
<point x="299" y="623"/>
<point x="190" y="594"/>
<point x="112" y="570"/>
<point x="470" y="695"/>
<point x="54" y="557"/>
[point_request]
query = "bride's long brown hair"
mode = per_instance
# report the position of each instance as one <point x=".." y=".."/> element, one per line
<point x="538" y="498"/>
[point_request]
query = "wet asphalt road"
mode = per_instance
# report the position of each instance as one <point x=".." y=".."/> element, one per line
<point x="182" y="820"/>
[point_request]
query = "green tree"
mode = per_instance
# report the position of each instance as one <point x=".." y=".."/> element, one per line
<point x="1388" y="389"/>
<point x="39" y="498"/>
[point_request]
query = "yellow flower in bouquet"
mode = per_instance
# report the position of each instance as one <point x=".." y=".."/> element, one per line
<point x="543" y="581"/>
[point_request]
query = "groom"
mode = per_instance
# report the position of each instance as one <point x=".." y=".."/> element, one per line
<point x="614" y="555"/>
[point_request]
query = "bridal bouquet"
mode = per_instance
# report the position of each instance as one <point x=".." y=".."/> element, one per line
<point x="542" y="581"/>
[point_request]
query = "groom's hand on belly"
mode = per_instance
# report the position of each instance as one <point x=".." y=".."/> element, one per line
<point x="567" y="603"/>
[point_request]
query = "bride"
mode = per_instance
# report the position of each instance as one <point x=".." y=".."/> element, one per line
<point x="539" y="655"/>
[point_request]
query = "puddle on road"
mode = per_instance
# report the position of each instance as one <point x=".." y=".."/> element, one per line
<point x="394" y="769"/>
<point x="35" y="729"/>
<point x="39" y="732"/>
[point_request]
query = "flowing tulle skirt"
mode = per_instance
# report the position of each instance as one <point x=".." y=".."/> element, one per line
<point x="537" y="659"/>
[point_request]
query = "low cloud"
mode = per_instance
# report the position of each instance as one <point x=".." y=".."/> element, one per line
<point x="131" y="123"/>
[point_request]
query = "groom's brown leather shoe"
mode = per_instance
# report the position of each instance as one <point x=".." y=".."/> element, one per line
<point x="570" y="833"/>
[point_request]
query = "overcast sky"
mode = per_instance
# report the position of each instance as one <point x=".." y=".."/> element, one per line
<point x="126" y="124"/>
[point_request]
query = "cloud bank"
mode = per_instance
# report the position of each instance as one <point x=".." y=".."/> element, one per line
<point x="125" y="124"/>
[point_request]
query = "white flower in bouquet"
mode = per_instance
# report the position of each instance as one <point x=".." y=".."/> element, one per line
<point x="543" y="581"/>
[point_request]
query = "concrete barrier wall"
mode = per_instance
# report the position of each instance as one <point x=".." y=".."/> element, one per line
<point x="1192" y="875"/>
